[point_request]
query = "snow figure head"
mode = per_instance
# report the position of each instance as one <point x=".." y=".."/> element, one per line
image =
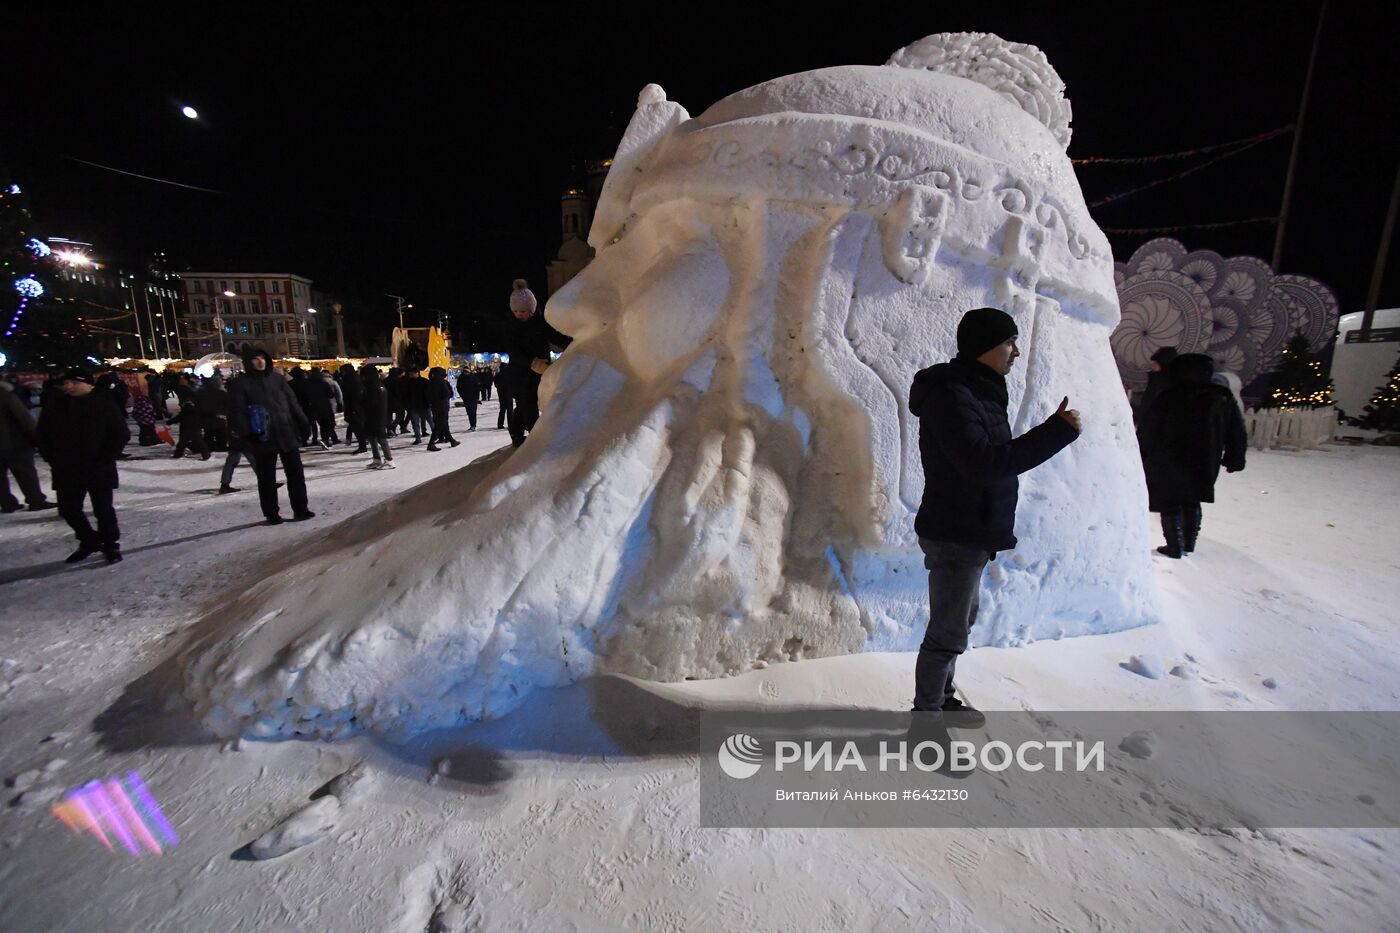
<point x="725" y="471"/>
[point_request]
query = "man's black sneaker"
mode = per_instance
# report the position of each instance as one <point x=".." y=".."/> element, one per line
<point x="83" y="552"/>
<point x="302" y="516"/>
<point x="113" y="553"/>
<point x="225" y="490"/>
<point x="958" y="715"/>
<point x="41" y="506"/>
<point x="274" y="520"/>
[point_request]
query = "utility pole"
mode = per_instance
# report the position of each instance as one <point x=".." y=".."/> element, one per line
<point x="1297" y="139"/>
<point x="399" y="307"/>
<point x="1373" y="294"/>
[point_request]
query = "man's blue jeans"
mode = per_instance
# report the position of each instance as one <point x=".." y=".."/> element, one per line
<point x="954" y="579"/>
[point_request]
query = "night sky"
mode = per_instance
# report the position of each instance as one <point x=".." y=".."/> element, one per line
<point x="422" y="150"/>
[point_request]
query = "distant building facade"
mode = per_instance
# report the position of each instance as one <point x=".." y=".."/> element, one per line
<point x="272" y="310"/>
<point x="118" y="313"/>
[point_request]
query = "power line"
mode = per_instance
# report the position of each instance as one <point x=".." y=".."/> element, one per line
<point x="163" y="181"/>
<point x="1185" y="153"/>
<point x="1211" y="226"/>
<point x="1179" y="175"/>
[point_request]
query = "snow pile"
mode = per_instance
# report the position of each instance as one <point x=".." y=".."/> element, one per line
<point x="726" y="473"/>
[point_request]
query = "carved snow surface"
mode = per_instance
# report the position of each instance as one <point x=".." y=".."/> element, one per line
<point x="726" y="471"/>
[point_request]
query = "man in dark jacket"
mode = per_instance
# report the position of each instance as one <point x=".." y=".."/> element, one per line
<point x="320" y="401"/>
<point x="396" y="402"/>
<point x="498" y="379"/>
<point x="18" y="438"/>
<point x="352" y="393"/>
<point x="212" y="401"/>
<point x="1191" y="430"/>
<point x="529" y="340"/>
<point x="440" y="403"/>
<point x="419" y="406"/>
<point x="267" y="422"/>
<point x="299" y="384"/>
<point x="80" y="435"/>
<point x="968" y="511"/>
<point x="470" y="394"/>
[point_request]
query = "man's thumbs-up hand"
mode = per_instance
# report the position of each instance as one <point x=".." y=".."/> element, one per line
<point x="1069" y="414"/>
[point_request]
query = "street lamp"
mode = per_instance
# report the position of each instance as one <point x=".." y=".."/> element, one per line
<point x="218" y="321"/>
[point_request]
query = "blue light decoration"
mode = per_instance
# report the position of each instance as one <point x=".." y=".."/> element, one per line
<point x="14" y="189"/>
<point x="39" y="248"/>
<point x="3" y="359"/>
<point x="29" y="287"/>
<point x="19" y="313"/>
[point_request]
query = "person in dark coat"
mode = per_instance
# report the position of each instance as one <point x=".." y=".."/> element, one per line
<point x="483" y="380"/>
<point x="156" y="392"/>
<point x="529" y="340"/>
<point x="352" y="392"/>
<point x="80" y="435"/>
<point x="968" y="512"/>
<point x="320" y="400"/>
<point x="1157" y="380"/>
<point x="470" y="393"/>
<point x="1192" y="429"/>
<point x="191" y="424"/>
<point x="499" y="379"/>
<point x="298" y="382"/>
<point x="212" y="401"/>
<point x="267" y="422"/>
<point x="398" y="405"/>
<point x="376" y="418"/>
<point x="440" y="403"/>
<point x="18" y="438"/>
<point x="420" y="413"/>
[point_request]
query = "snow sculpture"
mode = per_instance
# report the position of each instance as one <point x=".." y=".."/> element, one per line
<point x="726" y="472"/>
<point x="1236" y="310"/>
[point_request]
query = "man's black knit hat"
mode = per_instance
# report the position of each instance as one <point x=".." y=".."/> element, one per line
<point x="77" y="375"/>
<point x="983" y="328"/>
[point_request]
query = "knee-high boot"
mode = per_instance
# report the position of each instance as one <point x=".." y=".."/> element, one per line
<point x="1190" y="527"/>
<point x="1171" y="530"/>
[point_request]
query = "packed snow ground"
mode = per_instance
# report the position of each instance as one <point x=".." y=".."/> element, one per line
<point x="579" y="810"/>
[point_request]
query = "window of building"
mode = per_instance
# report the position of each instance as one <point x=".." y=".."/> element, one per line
<point x="198" y="285"/>
<point x="252" y="306"/>
<point x="199" y="306"/>
<point x="276" y="288"/>
<point x="243" y="327"/>
<point x="277" y="326"/>
<point x="228" y="328"/>
<point x="257" y="328"/>
<point x="238" y="287"/>
<point x="223" y="286"/>
<point x="277" y="305"/>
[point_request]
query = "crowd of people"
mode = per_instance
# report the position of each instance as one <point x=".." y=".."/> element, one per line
<point x="77" y="421"/>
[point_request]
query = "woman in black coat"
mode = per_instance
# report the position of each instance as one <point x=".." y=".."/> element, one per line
<point x="1191" y="430"/>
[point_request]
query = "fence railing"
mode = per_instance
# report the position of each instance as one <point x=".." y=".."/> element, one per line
<point x="1306" y="429"/>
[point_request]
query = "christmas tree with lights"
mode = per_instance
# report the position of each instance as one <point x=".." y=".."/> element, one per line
<point x="1299" y="381"/>
<point x="37" y="329"/>
<point x="1383" y="414"/>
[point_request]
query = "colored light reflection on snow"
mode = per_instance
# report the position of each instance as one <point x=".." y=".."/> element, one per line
<point x="120" y="809"/>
